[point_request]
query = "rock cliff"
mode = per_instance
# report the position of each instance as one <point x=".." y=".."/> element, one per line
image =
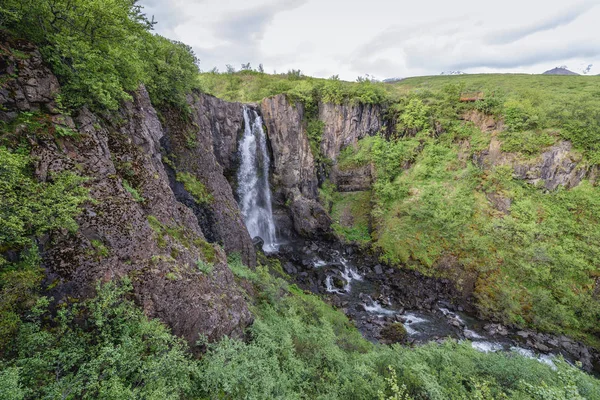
<point x="205" y="146"/>
<point x="294" y="178"/>
<point x="345" y="125"/>
<point x="135" y="226"/>
<point x="557" y="166"/>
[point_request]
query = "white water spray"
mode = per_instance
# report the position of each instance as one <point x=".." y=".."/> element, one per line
<point x="253" y="182"/>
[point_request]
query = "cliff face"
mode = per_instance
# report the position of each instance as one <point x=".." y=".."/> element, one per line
<point x="204" y="146"/>
<point x="558" y="166"/>
<point x="346" y="124"/>
<point x="294" y="177"/>
<point x="135" y="226"/>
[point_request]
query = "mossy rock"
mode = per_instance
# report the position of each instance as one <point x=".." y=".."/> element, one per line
<point x="394" y="333"/>
<point x="339" y="283"/>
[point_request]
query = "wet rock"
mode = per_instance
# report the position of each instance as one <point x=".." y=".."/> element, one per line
<point x="378" y="269"/>
<point x="456" y="323"/>
<point x="338" y="283"/>
<point x="496" y="329"/>
<point x="541" y="347"/>
<point x="258" y="243"/>
<point x="523" y="334"/>
<point x="393" y="333"/>
<point x="471" y="335"/>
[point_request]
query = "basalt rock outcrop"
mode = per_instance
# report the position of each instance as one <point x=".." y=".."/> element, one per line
<point x="294" y="177"/>
<point x="205" y="146"/>
<point x="135" y="226"/>
<point x="345" y="125"/>
<point x="557" y="166"/>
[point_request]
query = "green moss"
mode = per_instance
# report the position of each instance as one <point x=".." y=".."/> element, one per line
<point x="100" y="250"/>
<point x="158" y="229"/>
<point x="194" y="187"/>
<point x="394" y="333"/>
<point x="134" y="193"/>
<point x="171" y="276"/>
<point x="314" y="131"/>
<point x="204" y="267"/>
<point x="207" y="250"/>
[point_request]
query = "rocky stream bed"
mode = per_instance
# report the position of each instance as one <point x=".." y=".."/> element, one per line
<point x="378" y="298"/>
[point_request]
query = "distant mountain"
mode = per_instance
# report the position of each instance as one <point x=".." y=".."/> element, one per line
<point x="559" y="71"/>
<point x="452" y="73"/>
<point x="392" y="80"/>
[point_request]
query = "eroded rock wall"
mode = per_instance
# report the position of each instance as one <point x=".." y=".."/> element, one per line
<point x="294" y="177"/>
<point x="135" y="226"/>
<point x="201" y="145"/>
<point x="345" y="125"/>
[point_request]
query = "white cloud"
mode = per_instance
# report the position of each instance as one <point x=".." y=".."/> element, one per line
<point x="383" y="38"/>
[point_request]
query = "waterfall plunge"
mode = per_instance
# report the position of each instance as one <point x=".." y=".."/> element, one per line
<point x="253" y="181"/>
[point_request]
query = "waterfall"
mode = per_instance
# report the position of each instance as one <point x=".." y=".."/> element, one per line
<point x="253" y="181"/>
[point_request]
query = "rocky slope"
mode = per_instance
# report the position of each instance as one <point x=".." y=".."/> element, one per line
<point x="141" y="223"/>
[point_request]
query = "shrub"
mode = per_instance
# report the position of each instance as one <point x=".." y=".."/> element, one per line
<point x="520" y="116"/>
<point x="101" y="51"/>
<point x="204" y="267"/>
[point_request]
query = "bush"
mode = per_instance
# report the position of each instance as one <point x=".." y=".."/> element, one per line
<point x="102" y="51"/>
<point x="521" y="116"/>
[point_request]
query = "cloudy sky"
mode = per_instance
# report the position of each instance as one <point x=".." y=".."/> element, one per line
<point x="385" y="38"/>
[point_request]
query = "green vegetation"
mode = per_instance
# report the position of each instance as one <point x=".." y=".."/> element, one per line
<point x="180" y="234"/>
<point x="100" y="249"/>
<point x="134" y="193"/>
<point x="117" y="353"/>
<point x="351" y="216"/>
<point x="568" y="106"/>
<point x="529" y="255"/>
<point x="298" y="348"/>
<point x="253" y="86"/>
<point x="204" y="267"/>
<point x="194" y="187"/>
<point x="28" y="210"/>
<point x="101" y="50"/>
<point x="434" y="210"/>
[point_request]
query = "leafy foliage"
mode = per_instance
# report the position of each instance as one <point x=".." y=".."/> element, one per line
<point x="117" y="353"/>
<point x="432" y="206"/>
<point x="29" y="208"/>
<point x="253" y="86"/>
<point x="298" y="347"/>
<point x="102" y="50"/>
